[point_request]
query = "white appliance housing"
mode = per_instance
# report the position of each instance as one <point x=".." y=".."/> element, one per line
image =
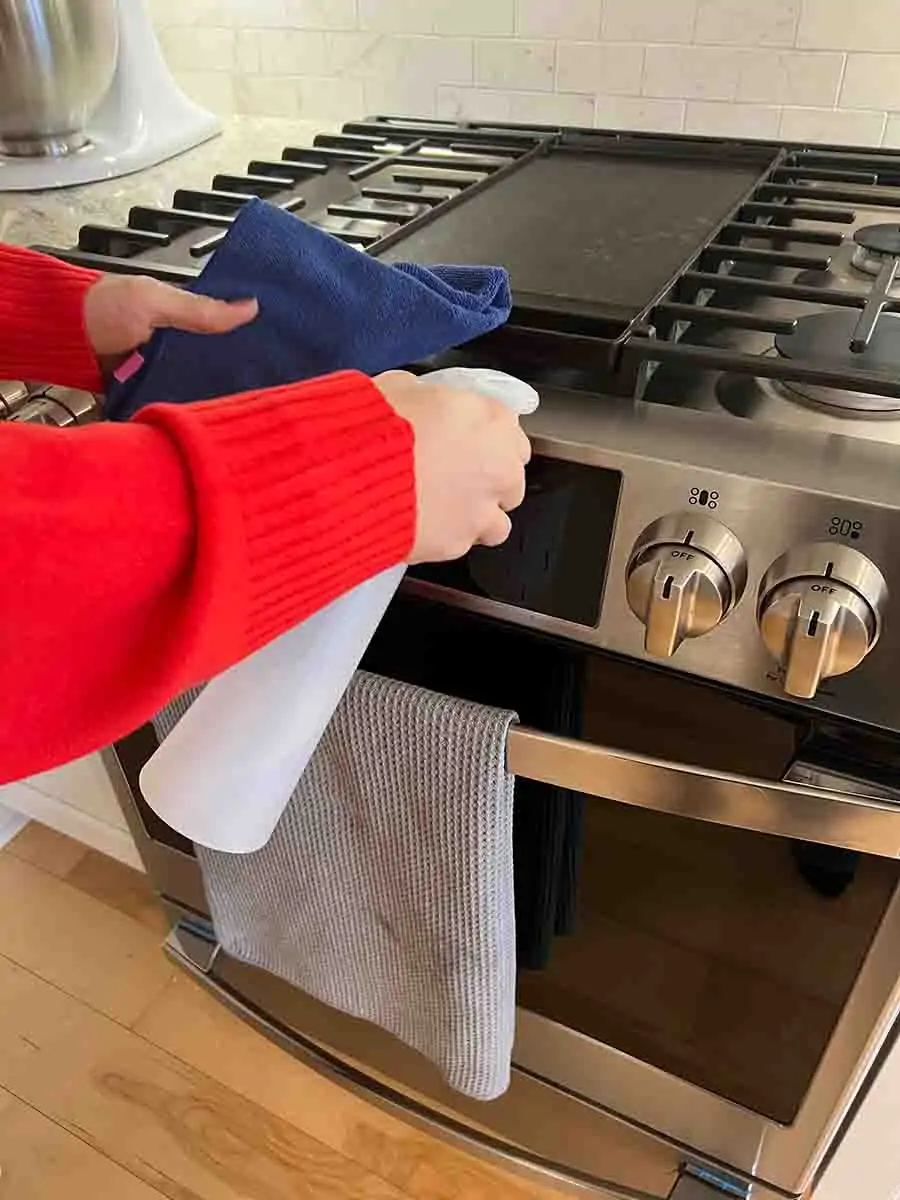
<point x="144" y="119"/>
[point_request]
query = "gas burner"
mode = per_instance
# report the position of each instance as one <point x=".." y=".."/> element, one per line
<point x="874" y="245"/>
<point x="825" y="338"/>
<point x="860" y="259"/>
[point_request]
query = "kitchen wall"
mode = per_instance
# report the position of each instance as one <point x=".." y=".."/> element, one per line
<point x="799" y="69"/>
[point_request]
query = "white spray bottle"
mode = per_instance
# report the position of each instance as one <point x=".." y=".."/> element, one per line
<point x="225" y="774"/>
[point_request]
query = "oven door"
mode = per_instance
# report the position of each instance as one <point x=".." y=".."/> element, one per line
<point x="727" y="969"/>
<point x="725" y="962"/>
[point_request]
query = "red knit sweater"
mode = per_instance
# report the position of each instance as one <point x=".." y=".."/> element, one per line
<point x="138" y="559"/>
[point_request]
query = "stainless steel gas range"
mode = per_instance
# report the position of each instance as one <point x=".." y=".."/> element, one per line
<point x="710" y="789"/>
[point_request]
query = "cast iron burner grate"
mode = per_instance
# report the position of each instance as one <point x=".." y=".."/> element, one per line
<point x="390" y="183"/>
<point x="725" y="293"/>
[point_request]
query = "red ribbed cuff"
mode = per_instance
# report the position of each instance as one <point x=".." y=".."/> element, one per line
<point x="42" y="334"/>
<point x="302" y="493"/>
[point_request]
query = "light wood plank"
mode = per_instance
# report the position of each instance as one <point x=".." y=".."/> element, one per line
<point x="78" y="943"/>
<point x="119" y="887"/>
<point x="166" y="1123"/>
<point x="41" y="1161"/>
<point x="46" y="848"/>
<point x="205" y="1035"/>
<point x="190" y="1023"/>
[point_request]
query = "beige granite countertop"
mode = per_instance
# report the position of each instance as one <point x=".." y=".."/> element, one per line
<point x="53" y="217"/>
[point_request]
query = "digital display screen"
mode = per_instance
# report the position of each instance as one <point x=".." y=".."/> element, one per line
<point x="556" y="558"/>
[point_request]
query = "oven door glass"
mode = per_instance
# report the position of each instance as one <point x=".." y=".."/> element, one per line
<point x="721" y="956"/>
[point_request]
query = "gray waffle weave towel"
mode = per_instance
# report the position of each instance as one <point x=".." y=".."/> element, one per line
<point x="387" y="887"/>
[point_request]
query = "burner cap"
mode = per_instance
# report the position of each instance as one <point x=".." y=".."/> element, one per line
<point x="881" y="239"/>
<point x="825" y="338"/>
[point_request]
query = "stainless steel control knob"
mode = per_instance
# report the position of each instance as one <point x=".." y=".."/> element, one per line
<point x="685" y="575"/>
<point x="820" y="611"/>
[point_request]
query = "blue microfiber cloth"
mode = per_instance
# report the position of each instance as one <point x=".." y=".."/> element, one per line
<point x="324" y="307"/>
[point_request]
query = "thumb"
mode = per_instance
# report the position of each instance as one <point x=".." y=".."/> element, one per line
<point x="175" y="309"/>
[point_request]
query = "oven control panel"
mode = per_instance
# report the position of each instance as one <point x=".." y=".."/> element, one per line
<point x="745" y="555"/>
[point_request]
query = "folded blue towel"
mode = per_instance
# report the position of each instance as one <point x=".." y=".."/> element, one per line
<point x="324" y="306"/>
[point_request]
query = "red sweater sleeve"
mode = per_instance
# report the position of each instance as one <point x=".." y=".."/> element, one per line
<point x="42" y="333"/>
<point x="139" y="559"/>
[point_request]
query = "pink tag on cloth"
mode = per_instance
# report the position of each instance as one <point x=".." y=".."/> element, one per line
<point x="129" y="367"/>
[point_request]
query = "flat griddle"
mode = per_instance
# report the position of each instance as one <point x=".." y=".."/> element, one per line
<point x="595" y="233"/>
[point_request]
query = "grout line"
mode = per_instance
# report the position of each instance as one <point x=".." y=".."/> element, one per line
<point x="840" y="85"/>
<point x="695" y="20"/>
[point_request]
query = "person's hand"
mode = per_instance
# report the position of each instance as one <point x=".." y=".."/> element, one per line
<point x="122" y="311"/>
<point x="470" y="456"/>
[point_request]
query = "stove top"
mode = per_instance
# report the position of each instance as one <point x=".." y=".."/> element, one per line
<point x="669" y="269"/>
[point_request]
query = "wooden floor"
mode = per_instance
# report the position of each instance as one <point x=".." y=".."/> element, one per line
<point x="120" y="1078"/>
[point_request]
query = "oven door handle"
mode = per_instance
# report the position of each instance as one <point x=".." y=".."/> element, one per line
<point x="852" y="819"/>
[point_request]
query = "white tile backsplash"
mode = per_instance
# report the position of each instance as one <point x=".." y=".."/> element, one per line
<point x="591" y="66"/>
<point x="784" y="77"/>
<point x="853" y="25"/>
<point x="466" y="104"/>
<point x="578" y="19"/>
<point x="515" y="64"/>
<point x="732" y="120"/>
<point x="342" y="99"/>
<point x="320" y="14"/>
<point x="396" y="16"/>
<point x="640" y="113"/>
<point x="485" y="18"/>
<point x="551" y="108"/>
<point x="649" y="20"/>
<point x="692" y="72"/>
<point x="260" y="95"/>
<point x="290" y="52"/>
<point x="871" y="81"/>
<point x="218" y="49"/>
<point x="839" y="127"/>
<point x="747" y="22"/>
<point x="818" y="70"/>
